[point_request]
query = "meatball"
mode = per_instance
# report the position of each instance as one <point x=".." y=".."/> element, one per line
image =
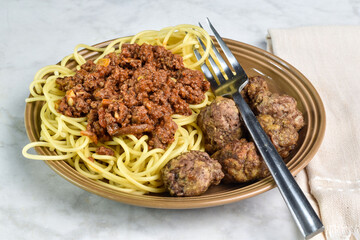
<point x="262" y="101"/>
<point x="283" y="135"/>
<point x="240" y="162"/>
<point x="281" y="106"/>
<point x="256" y="86"/>
<point x="220" y="123"/>
<point x="191" y="174"/>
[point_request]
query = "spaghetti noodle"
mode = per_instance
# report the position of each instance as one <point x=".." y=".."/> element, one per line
<point x="134" y="168"/>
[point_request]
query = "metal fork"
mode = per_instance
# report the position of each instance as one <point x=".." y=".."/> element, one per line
<point x="301" y="210"/>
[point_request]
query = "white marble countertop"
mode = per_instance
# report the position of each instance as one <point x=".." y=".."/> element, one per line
<point x="36" y="203"/>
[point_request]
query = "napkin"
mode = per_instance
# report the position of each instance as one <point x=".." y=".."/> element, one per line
<point x="329" y="56"/>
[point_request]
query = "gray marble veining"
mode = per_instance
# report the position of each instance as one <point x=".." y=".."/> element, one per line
<point x="36" y="203"/>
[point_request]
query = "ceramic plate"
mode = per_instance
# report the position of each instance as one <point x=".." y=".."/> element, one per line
<point x="281" y="77"/>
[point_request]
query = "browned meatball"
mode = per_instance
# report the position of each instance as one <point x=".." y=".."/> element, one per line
<point x="281" y="106"/>
<point x="256" y="86"/>
<point x="283" y="135"/>
<point x="278" y="106"/>
<point x="220" y="123"/>
<point x="191" y="174"/>
<point x="240" y="162"/>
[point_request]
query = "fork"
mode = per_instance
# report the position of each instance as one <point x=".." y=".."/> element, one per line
<point x="304" y="215"/>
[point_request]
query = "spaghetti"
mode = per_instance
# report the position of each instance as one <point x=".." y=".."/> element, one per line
<point x="134" y="168"/>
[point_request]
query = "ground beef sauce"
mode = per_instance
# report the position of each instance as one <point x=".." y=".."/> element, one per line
<point x="134" y="92"/>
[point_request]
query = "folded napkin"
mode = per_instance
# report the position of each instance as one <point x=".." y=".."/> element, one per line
<point x="329" y="56"/>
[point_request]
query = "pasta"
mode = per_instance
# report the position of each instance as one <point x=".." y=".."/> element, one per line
<point x="134" y="168"/>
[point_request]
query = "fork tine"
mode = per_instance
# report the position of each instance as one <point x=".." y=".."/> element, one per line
<point x="238" y="69"/>
<point x="213" y="65"/>
<point x="206" y="71"/>
<point x="221" y="60"/>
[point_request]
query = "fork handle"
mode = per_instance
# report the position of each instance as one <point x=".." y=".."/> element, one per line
<point x="300" y="208"/>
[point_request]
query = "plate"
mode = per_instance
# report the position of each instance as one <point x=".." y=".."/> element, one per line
<point x="281" y="77"/>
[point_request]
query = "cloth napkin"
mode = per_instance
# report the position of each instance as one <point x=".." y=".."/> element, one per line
<point x="329" y="56"/>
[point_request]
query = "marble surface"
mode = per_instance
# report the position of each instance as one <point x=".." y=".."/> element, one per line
<point x="36" y="203"/>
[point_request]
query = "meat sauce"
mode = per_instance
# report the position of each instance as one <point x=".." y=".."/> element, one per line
<point x="134" y="92"/>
